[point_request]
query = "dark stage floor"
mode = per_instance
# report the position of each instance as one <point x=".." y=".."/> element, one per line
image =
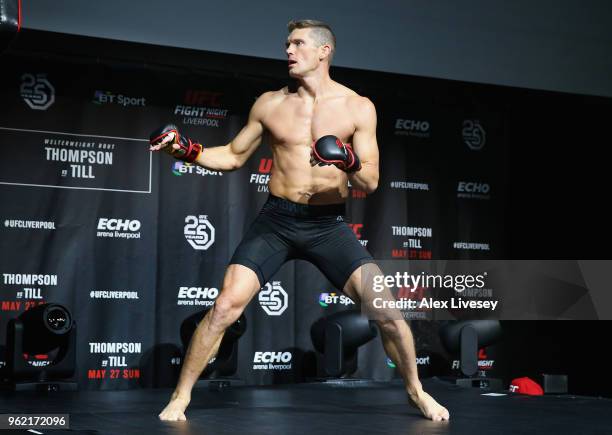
<point x="373" y="408"/>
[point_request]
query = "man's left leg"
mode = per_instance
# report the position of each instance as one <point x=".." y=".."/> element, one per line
<point x="334" y="249"/>
<point x="397" y="340"/>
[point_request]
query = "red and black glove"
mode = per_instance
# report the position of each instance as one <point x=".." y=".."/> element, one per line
<point x="329" y="150"/>
<point x="169" y="135"/>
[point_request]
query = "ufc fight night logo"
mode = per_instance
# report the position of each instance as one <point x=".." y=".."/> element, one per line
<point x="37" y="91"/>
<point x="199" y="232"/>
<point x="273" y="299"/>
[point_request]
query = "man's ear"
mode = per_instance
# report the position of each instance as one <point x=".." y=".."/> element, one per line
<point x="325" y="51"/>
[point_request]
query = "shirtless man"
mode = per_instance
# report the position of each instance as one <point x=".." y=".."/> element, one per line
<point x="308" y="128"/>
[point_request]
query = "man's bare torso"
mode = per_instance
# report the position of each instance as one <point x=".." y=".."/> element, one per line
<point x="292" y="124"/>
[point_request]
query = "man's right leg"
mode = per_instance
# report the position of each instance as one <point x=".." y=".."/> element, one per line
<point x="240" y="284"/>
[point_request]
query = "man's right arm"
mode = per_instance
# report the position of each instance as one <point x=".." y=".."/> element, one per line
<point x="222" y="158"/>
<point x="234" y="155"/>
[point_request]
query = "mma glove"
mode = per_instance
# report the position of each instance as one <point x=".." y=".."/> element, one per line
<point x="188" y="150"/>
<point x="329" y="150"/>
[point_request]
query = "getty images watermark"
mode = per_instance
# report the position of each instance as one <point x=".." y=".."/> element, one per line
<point x="487" y="289"/>
<point x="422" y="289"/>
<point x="411" y="283"/>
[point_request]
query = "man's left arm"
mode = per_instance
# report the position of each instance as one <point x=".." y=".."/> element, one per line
<point x="365" y="145"/>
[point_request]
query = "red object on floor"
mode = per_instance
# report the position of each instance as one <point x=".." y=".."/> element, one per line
<point x="526" y="386"/>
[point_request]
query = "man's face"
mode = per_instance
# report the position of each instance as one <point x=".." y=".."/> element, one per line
<point x="302" y="53"/>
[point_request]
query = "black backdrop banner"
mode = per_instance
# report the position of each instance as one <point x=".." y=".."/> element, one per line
<point x="133" y="242"/>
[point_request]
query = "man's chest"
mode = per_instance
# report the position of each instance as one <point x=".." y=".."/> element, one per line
<point x="297" y="122"/>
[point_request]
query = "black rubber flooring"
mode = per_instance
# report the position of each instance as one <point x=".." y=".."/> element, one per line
<point x="359" y="408"/>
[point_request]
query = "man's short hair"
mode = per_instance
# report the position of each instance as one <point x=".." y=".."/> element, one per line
<point x="319" y="31"/>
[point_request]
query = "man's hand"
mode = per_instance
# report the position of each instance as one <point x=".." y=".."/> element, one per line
<point x="171" y="141"/>
<point x="329" y="150"/>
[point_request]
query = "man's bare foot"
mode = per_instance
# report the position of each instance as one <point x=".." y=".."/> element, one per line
<point x="428" y="406"/>
<point x="175" y="409"/>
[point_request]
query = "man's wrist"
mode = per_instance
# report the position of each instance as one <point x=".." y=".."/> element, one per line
<point x="194" y="151"/>
<point x="354" y="164"/>
<point x="189" y="150"/>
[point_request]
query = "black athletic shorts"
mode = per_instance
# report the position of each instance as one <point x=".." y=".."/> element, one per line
<point x="285" y="230"/>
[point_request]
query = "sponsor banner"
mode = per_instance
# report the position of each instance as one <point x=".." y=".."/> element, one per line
<point x="473" y="190"/>
<point x="409" y="185"/>
<point x="21" y="224"/>
<point x="415" y="242"/>
<point x="275" y="361"/>
<point x="273" y="298"/>
<point x="102" y="98"/>
<point x="261" y="178"/>
<point x="182" y="168"/>
<point x="357" y="193"/>
<point x="474" y="134"/>
<point x="199" y="232"/>
<point x="202" y="108"/>
<point x="114" y="294"/>
<point x="420" y="361"/>
<point x="328" y="299"/>
<point x="82" y="130"/>
<point x="472" y="246"/>
<point x="113" y="228"/>
<point x="75" y="161"/>
<point x="197" y="296"/>
<point x="358" y="229"/>
<point x="484" y="362"/>
<point x="412" y="127"/>
<point x="22" y="291"/>
<point x="116" y="361"/>
<point x="37" y="91"/>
